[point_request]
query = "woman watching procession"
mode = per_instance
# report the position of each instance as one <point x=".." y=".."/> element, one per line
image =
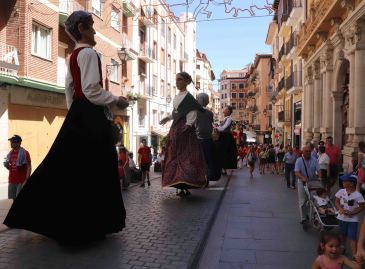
<point x="228" y="148"/>
<point x="74" y="196"/>
<point x="184" y="166"/>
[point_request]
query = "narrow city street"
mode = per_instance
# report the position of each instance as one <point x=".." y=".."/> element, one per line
<point x="256" y="227"/>
<point x="163" y="231"/>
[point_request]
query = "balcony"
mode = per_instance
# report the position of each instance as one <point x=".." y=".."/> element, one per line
<point x="291" y="44"/>
<point x="9" y="61"/>
<point x="294" y="82"/>
<point x="294" y="10"/>
<point x="131" y="49"/>
<point x="146" y="16"/>
<point x="145" y="53"/>
<point x="281" y="52"/>
<point x="66" y="7"/>
<point x="281" y="84"/>
<point x="129" y="9"/>
<point x="319" y="20"/>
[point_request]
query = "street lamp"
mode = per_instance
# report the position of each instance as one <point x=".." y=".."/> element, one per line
<point x="122" y="54"/>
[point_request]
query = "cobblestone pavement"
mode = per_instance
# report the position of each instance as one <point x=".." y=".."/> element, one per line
<point x="163" y="231"/>
<point x="257" y="227"/>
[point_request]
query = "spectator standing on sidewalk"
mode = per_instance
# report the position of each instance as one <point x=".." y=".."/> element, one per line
<point x="144" y="162"/>
<point x="361" y="166"/>
<point x="289" y="161"/>
<point x="324" y="161"/>
<point x="333" y="151"/>
<point x="74" y="196"/>
<point x="349" y="203"/>
<point x="19" y="165"/>
<point x="305" y="170"/>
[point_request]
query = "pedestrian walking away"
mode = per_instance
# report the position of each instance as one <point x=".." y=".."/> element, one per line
<point x="19" y="165"/>
<point x="74" y="195"/>
<point x="289" y="161"/>
<point x="184" y="166"/>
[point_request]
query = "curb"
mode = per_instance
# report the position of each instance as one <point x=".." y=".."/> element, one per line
<point x="194" y="261"/>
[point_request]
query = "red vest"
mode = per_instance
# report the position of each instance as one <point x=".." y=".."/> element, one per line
<point x="76" y="74"/>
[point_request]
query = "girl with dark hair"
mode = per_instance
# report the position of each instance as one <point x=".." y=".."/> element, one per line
<point x="329" y="254"/>
<point x="184" y="166"/>
<point x="228" y="148"/>
<point x="74" y="195"/>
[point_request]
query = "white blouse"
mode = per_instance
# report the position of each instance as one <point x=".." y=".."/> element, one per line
<point x="90" y="78"/>
<point x="227" y="122"/>
<point x="192" y="115"/>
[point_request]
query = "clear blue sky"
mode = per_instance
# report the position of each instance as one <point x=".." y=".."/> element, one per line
<point x="229" y="42"/>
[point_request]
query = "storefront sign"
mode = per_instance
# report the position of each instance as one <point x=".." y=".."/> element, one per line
<point x="30" y="97"/>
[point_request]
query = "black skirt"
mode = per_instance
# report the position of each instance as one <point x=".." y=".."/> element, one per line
<point x="74" y="195"/>
<point x="228" y="151"/>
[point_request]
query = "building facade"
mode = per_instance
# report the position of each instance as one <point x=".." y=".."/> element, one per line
<point x="331" y="43"/>
<point x="259" y="108"/>
<point x="141" y="46"/>
<point x="233" y="86"/>
<point x="287" y="77"/>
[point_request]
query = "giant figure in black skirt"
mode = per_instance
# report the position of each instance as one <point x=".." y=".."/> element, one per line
<point x="74" y="195"/>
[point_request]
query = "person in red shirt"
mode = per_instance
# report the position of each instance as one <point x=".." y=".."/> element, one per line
<point x="144" y="162"/>
<point x="334" y="153"/>
<point x="19" y="165"/>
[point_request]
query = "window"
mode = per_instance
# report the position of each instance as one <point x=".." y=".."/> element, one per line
<point x="198" y="66"/>
<point x="154" y="87"/>
<point x="241" y="95"/>
<point x="41" y="41"/>
<point x="154" y="50"/>
<point x="241" y="105"/>
<point x="222" y="106"/>
<point x="114" y="70"/>
<point x="162" y="56"/>
<point x="240" y="86"/>
<point x="233" y="86"/>
<point x="162" y="27"/>
<point x="169" y="34"/>
<point x="225" y="95"/>
<point x="125" y="24"/>
<point x="155" y="17"/>
<point x="162" y="91"/>
<point x="222" y="96"/>
<point x="225" y="87"/>
<point x="234" y="95"/>
<point x="181" y="66"/>
<point x="168" y="61"/>
<point x="221" y="87"/>
<point x="161" y="115"/>
<point x="154" y="117"/>
<point x="174" y="41"/>
<point x="168" y="93"/>
<point x="181" y="51"/>
<point x="141" y="117"/>
<point x="233" y="105"/>
<point x="115" y="23"/>
<point x="97" y="7"/>
<point x="174" y="67"/>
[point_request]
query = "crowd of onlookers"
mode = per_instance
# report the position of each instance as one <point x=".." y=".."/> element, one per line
<point x="318" y="169"/>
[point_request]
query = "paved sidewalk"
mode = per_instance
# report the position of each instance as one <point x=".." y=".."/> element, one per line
<point x="257" y="227"/>
<point x="163" y="231"/>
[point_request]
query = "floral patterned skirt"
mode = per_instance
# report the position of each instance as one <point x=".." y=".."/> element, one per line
<point x="184" y="166"/>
